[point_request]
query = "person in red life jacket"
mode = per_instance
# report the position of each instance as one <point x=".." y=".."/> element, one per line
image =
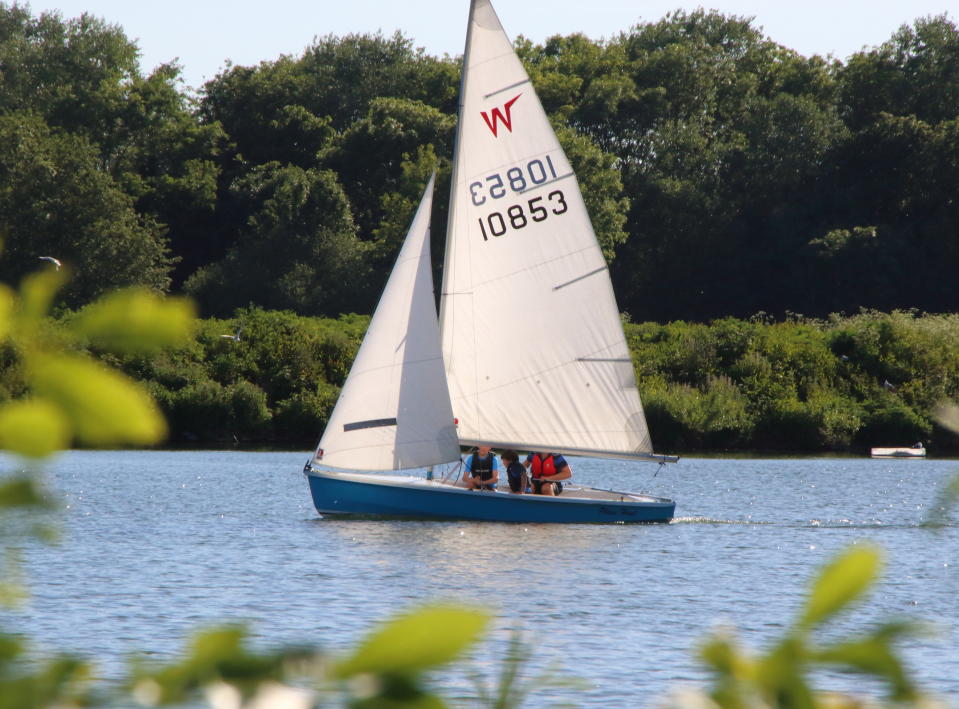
<point x="546" y="471"/>
<point x="481" y="470"/>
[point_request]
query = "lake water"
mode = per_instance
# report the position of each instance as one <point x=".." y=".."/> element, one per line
<point x="156" y="544"/>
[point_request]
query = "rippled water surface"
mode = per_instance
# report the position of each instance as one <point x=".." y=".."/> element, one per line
<point x="155" y="544"/>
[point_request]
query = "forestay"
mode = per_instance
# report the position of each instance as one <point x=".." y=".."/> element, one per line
<point x="394" y="409"/>
<point x="535" y="352"/>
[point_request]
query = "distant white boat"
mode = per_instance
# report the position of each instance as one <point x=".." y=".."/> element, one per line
<point x="915" y="451"/>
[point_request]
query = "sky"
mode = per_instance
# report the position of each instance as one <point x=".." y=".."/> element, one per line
<point x="202" y="35"/>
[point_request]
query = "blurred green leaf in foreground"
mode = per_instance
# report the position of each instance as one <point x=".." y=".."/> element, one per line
<point x="387" y="669"/>
<point x="781" y="676"/>
<point x="69" y="398"/>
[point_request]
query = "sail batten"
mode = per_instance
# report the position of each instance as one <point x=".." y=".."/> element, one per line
<point x="602" y="269"/>
<point x="372" y="423"/>
<point x="553" y="181"/>
<point x="601" y="359"/>
<point x="507" y="88"/>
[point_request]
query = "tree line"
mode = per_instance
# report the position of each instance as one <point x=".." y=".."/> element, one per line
<point x="725" y="174"/>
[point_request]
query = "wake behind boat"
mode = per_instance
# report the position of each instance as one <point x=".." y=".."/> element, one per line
<point x="529" y="352"/>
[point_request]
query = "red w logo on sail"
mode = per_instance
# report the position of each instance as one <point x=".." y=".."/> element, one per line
<point x="506" y="120"/>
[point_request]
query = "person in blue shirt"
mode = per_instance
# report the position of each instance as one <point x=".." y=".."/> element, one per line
<point x="481" y="470"/>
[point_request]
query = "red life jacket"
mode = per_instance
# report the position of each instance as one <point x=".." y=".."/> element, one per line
<point x="542" y="467"/>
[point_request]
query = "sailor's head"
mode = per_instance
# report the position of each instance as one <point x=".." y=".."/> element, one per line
<point x="483" y="451"/>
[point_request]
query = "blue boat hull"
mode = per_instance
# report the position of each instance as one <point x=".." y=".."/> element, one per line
<point x="382" y="496"/>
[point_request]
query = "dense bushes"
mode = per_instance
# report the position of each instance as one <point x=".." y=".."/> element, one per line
<point x="801" y="385"/>
<point x="843" y="384"/>
<point x="259" y="377"/>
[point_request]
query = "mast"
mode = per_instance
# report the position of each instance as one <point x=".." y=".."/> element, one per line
<point x="446" y="287"/>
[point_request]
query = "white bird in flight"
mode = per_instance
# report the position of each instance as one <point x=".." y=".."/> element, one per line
<point x="236" y="337"/>
<point x="55" y="262"/>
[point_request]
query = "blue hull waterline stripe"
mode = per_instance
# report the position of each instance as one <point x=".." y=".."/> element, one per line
<point x="372" y="423"/>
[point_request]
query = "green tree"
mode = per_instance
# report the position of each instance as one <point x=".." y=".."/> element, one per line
<point x="369" y="156"/>
<point x="287" y="110"/>
<point x="583" y="83"/>
<point x="268" y="113"/>
<point x="56" y="201"/>
<point x="725" y="135"/>
<point x="298" y="251"/>
<point x="73" y="73"/>
<point x="912" y="74"/>
<point x="162" y="155"/>
<point x="80" y="77"/>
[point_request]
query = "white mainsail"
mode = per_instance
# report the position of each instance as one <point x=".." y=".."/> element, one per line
<point x="535" y="352"/>
<point x="394" y="409"/>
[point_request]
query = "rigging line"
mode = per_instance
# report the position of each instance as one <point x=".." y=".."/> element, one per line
<point x="507" y="88"/>
<point x="579" y="278"/>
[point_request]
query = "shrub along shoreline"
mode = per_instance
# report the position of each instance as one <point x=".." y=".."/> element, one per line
<point x="797" y="386"/>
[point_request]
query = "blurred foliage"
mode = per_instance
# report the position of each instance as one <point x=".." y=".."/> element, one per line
<point x="54" y="395"/>
<point x="782" y="676"/>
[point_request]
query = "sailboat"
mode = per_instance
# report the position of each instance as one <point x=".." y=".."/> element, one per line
<point x="528" y="352"/>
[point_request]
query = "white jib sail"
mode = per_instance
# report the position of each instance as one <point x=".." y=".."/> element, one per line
<point x="535" y="352"/>
<point x="394" y="409"/>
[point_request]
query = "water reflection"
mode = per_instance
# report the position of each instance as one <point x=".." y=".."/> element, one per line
<point x="501" y="557"/>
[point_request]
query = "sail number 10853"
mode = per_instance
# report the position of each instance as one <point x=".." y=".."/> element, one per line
<point x="518" y="216"/>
